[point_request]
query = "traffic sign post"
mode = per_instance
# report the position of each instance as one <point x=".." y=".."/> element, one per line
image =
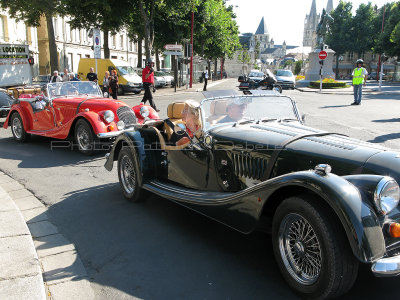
<point x="96" y="45"/>
<point x="173" y="47"/>
<point x="322" y="55"/>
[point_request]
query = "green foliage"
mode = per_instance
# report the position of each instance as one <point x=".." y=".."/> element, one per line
<point x="328" y="85"/>
<point x="388" y="41"/>
<point x="297" y="67"/>
<point x="339" y="36"/>
<point x="362" y="29"/>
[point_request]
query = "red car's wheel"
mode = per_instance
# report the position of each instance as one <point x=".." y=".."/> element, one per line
<point x="17" y="128"/>
<point x="84" y="137"/>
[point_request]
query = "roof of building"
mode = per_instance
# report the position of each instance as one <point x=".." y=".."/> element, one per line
<point x="262" y="28"/>
<point x="329" y="6"/>
<point x="313" y="10"/>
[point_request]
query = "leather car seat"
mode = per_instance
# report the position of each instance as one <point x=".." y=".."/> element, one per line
<point x="217" y="111"/>
<point x="174" y="112"/>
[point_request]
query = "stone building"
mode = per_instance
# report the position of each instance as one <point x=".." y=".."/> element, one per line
<point x="311" y="22"/>
<point x="17" y="33"/>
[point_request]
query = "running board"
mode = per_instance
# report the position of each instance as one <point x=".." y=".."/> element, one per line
<point x="182" y="194"/>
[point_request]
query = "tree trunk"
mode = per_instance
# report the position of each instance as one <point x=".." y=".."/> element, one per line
<point x="105" y="45"/>
<point x="148" y="26"/>
<point x="337" y="66"/>
<point x="157" y="59"/>
<point x="140" y="52"/>
<point x="215" y="69"/>
<point x="52" y="45"/>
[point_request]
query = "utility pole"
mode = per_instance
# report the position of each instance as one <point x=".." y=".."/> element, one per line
<point x="191" y="51"/>
<point x="379" y="60"/>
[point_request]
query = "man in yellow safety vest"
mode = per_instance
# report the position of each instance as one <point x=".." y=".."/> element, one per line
<point x="359" y="79"/>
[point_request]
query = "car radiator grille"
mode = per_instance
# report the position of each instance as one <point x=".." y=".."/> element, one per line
<point x="126" y="114"/>
<point x="247" y="166"/>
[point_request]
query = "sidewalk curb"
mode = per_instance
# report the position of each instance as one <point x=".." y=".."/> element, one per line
<point x="347" y="92"/>
<point x="45" y="265"/>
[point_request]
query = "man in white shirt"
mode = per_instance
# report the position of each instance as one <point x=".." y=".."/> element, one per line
<point x="55" y="77"/>
<point x="205" y="77"/>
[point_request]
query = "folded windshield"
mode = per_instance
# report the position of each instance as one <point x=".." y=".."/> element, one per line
<point x="73" y="88"/>
<point x="247" y="108"/>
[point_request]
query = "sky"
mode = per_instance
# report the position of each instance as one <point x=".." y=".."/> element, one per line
<point x="284" y="18"/>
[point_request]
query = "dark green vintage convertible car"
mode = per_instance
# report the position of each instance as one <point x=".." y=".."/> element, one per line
<point x="329" y="201"/>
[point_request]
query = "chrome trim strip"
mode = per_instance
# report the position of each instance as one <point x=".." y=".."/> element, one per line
<point x="106" y="135"/>
<point x="386" y="267"/>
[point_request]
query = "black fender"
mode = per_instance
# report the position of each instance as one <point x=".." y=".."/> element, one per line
<point x="350" y="203"/>
<point x="146" y="145"/>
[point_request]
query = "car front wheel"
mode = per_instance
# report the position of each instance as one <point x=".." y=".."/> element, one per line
<point x="84" y="137"/>
<point x="17" y="128"/>
<point x="312" y="250"/>
<point x="129" y="174"/>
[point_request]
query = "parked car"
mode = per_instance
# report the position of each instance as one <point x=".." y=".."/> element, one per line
<point x="330" y="201"/>
<point x="159" y="81"/>
<point x="5" y="103"/>
<point x="169" y="80"/>
<point x="72" y="109"/>
<point x="372" y="76"/>
<point x="286" y="79"/>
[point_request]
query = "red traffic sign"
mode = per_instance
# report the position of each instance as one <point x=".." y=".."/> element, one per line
<point x="173" y="47"/>
<point x="323" y="55"/>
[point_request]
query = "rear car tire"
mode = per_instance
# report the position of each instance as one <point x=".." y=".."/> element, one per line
<point x="121" y="90"/>
<point x="17" y="128"/>
<point x="311" y="249"/>
<point x="84" y="137"/>
<point x="129" y="175"/>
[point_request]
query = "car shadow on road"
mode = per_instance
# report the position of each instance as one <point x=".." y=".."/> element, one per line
<point x="41" y="152"/>
<point x="156" y="249"/>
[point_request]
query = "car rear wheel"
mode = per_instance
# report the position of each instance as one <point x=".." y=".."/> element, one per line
<point x="84" y="137"/>
<point x="17" y="128"/>
<point x="129" y="175"/>
<point x="121" y="90"/>
<point x="311" y="249"/>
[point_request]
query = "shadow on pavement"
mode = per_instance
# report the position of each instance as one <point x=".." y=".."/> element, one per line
<point x="385" y="137"/>
<point x="38" y="153"/>
<point x="156" y="249"/>
<point x="387" y="120"/>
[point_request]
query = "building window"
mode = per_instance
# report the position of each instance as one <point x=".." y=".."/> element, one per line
<point x="130" y="46"/>
<point x="87" y="55"/>
<point x="113" y="42"/>
<point x="373" y="56"/>
<point x="351" y="55"/>
<point x="121" y="41"/>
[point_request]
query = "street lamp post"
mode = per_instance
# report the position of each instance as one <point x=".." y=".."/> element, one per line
<point x="191" y="52"/>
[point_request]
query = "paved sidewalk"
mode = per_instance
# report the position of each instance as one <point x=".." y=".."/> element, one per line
<point x="36" y="261"/>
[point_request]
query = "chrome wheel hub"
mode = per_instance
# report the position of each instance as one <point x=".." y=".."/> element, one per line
<point x="82" y="137"/>
<point x="128" y="175"/>
<point x="300" y="249"/>
<point x="17" y="128"/>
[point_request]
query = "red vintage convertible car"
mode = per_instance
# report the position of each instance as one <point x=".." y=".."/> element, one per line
<point x="75" y="111"/>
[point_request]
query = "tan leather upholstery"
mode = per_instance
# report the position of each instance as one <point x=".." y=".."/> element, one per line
<point x="174" y="112"/>
<point x="217" y="111"/>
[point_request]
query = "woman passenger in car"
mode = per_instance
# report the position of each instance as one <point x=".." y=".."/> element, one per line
<point x="191" y="118"/>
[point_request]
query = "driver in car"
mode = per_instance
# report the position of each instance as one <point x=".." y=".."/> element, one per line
<point x="191" y="117"/>
<point x="235" y="112"/>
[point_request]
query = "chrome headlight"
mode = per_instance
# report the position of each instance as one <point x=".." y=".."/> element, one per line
<point x="121" y="125"/>
<point x="108" y="116"/>
<point x="387" y="195"/>
<point x="144" y="112"/>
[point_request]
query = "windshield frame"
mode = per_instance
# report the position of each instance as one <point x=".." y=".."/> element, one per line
<point x="74" y="83"/>
<point x="203" y="115"/>
<point x="258" y="74"/>
<point x="284" y="71"/>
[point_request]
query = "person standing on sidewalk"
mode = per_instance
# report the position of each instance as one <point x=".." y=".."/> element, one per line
<point x="359" y="79"/>
<point x="113" y="83"/>
<point x="92" y="76"/>
<point x="148" y="82"/>
<point x="205" y="76"/>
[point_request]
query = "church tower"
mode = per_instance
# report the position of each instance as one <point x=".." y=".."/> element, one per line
<point x="310" y="25"/>
<point x="329" y="6"/>
<point x="261" y="36"/>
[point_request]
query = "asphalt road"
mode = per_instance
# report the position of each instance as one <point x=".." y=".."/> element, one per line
<point x="158" y="250"/>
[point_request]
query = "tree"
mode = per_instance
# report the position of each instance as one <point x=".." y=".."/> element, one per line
<point x="388" y="41"/>
<point x="108" y="16"/>
<point x="339" y="36"/>
<point x="244" y="57"/>
<point x="297" y="67"/>
<point x="30" y="12"/>
<point x="362" y="29"/>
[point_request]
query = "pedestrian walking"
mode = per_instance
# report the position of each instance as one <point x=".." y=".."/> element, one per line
<point x="65" y="76"/>
<point x="148" y="82"/>
<point x="113" y="83"/>
<point x="91" y="76"/>
<point x="55" y="77"/>
<point x="205" y="77"/>
<point x="106" y="83"/>
<point x="359" y="79"/>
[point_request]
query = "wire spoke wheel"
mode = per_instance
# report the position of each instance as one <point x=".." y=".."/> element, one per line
<point x="128" y="174"/>
<point x="17" y="127"/>
<point x="83" y="138"/>
<point x="300" y="249"/>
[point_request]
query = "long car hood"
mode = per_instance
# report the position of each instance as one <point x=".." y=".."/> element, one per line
<point x="301" y="148"/>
